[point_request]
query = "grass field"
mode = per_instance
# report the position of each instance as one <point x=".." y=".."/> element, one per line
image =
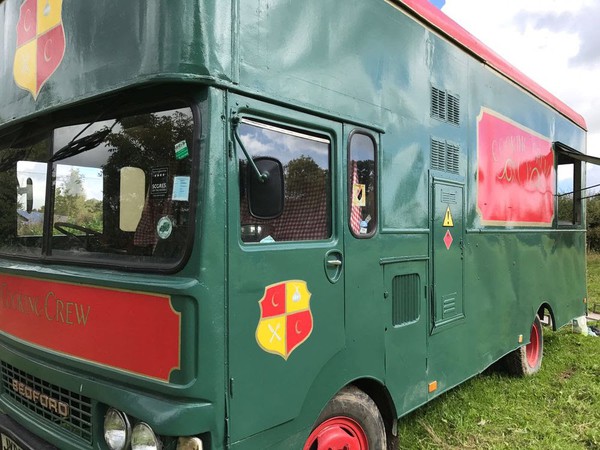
<point x="559" y="408"/>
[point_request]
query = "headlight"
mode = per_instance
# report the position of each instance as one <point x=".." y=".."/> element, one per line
<point x="143" y="438"/>
<point x="116" y="430"/>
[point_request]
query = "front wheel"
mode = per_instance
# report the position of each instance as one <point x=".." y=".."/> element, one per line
<point x="527" y="359"/>
<point x="350" y="421"/>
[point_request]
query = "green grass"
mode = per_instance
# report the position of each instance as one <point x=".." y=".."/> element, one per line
<point x="558" y="408"/>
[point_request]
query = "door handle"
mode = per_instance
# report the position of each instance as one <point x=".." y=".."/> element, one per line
<point x="333" y="262"/>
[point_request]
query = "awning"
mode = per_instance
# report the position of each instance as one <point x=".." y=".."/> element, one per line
<point x="566" y="153"/>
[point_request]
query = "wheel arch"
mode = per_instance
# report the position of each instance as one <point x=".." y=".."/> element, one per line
<point x="377" y="391"/>
<point x="382" y="398"/>
<point x="545" y="309"/>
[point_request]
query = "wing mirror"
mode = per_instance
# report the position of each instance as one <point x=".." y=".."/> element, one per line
<point x="265" y="187"/>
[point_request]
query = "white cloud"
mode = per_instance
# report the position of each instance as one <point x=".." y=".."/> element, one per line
<point x="550" y="42"/>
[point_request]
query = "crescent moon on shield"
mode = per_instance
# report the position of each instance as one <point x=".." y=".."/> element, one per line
<point x="26" y="22"/>
<point x="273" y="302"/>
<point x="296" y="328"/>
<point x="46" y="57"/>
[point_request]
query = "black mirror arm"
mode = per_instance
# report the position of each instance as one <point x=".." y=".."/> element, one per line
<point x="261" y="176"/>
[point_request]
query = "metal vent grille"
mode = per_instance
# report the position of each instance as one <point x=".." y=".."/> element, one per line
<point x="438" y="155"/>
<point x="405" y="295"/>
<point x="449" y="306"/>
<point x="448" y="198"/>
<point x="445" y="106"/>
<point x="70" y="411"/>
<point x="438" y="103"/>
<point x="453" y="110"/>
<point x="445" y="156"/>
<point x="452" y="158"/>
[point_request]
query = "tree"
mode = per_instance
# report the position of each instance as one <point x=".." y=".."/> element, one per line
<point x="303" y="175"/>
<point x="71" y="204"/>
<point x="593" y="223"/>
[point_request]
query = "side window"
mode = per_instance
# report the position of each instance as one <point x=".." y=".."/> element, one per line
<point x="306" y="213"/>
<point x="568" y="191"/>
<point x="362" y="189"/>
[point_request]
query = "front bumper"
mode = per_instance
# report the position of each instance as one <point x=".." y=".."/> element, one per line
<point x="20" y="436"/>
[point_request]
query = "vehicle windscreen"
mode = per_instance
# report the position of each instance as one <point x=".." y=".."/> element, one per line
<point x="115" y="191"/>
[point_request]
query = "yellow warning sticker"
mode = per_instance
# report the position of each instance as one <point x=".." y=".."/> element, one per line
<point x="358" y="195"/>
<point x="448" y="218"/>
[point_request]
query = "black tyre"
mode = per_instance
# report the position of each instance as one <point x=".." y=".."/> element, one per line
<point x="350" y="421"/>
<point x="527" y="359"/>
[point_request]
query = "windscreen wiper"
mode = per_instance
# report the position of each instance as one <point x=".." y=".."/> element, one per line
<point x="77" y="146"/>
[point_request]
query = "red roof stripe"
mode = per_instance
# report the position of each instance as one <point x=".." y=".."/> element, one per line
<point x="449" y="28"/>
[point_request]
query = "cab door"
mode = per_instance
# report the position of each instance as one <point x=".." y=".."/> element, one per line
<point x="286" y="265"/>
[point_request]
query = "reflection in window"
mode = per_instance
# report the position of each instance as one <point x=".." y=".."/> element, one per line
<point x="568" y="174"/>
<point x="78" y="196"/>
<point x="31" y="188"/>
<point x="361" y="189"/>
<point x="121" y="189"/>
<point x="22" y="189"/>
<point x="305" y="160"/>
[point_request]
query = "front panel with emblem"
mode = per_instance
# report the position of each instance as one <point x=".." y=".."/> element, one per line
<point x="286" y="316"/>
<point x="40" y="43"/>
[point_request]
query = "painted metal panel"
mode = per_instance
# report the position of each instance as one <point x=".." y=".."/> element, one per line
<point x="447" y="247"/>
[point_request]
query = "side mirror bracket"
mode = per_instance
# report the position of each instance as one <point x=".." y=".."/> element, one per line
<point x="264" y="182"/>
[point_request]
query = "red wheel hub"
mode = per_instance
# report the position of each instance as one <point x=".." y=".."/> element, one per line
<point x="532" y="350"/>
<point x="338" y="433"/>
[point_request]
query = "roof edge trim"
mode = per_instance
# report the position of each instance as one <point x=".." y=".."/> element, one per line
<point x="424" y="11"/>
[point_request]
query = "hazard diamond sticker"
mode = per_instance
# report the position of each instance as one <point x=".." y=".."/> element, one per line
<point x="448" y="239"/>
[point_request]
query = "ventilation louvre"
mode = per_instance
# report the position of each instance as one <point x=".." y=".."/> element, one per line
<point x="405" y="295"/>
<point x="453" y="110"/>
<point x="448" y="198"/>
<point x="438" y="103"/>
<point x="438" y="155"/>
<point x="445" y="156"/>
<point x="445" y="106"/>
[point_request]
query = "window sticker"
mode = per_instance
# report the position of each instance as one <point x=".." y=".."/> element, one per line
<point x="358" y="195"/>
<point x="364" y="224"/>
<point x="181" y="150"/>
<point x="164" y="227"/>
<point x="181" y="189"/>
<point x="158" y="182"/>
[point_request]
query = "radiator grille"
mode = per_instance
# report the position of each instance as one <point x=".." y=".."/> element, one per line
<point x="47" y="400"/>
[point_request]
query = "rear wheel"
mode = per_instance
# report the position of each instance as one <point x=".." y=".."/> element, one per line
<point x="527" y="359"/>
<point x="350" y="421"/>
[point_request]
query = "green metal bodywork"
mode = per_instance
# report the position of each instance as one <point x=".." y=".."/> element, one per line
<point x="327" y="68"/>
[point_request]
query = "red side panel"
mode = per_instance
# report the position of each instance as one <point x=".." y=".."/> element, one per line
<point x="130" y="331"/>
<point x="515" y="176"/>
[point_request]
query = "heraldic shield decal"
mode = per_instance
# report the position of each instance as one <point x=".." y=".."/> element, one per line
<point x="40" y="43"/>
<point x="285" y="320"/>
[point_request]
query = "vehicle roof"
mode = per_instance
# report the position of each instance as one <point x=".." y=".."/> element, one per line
<point x="427" y="12"/>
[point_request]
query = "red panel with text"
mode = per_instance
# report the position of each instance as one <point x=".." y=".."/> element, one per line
<point x="516" y="175"/>
<point x="118" y="329"/>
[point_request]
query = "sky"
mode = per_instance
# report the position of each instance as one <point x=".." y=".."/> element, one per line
<point x="554" y="42"/>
